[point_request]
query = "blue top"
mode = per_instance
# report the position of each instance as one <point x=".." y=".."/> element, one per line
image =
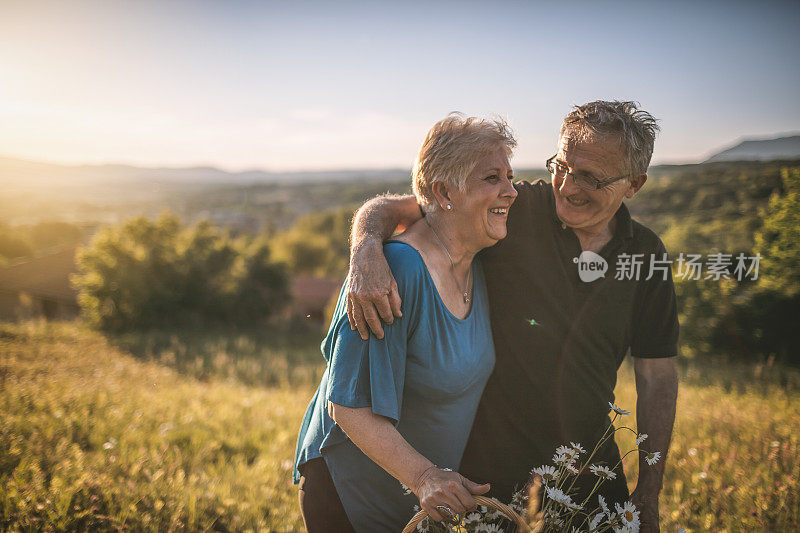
<point x="426" y="375"/>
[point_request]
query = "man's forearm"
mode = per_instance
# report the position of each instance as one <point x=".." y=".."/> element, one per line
<point x="657" y="391"/>
<point x="372" y="291"/>
<point x="377" y="219"/>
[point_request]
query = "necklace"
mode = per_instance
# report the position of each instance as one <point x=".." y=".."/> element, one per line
<point x="465" y="292"/>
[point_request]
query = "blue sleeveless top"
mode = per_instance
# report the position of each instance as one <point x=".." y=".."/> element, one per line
<point x="426" y="375"/>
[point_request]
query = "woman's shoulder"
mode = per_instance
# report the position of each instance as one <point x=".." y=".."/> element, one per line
<point x="401" y="254"/>
<point x="405" y="262"/>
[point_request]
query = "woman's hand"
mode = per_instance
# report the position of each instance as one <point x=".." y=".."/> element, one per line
<point x="437" y="488"/>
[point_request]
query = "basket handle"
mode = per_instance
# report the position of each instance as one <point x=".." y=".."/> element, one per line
<point x="480" y="500"/>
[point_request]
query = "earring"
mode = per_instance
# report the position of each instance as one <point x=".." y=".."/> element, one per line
<point x="449" y="207"/>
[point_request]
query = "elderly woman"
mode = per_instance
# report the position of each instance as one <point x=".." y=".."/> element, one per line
<point x="391" y="416"/>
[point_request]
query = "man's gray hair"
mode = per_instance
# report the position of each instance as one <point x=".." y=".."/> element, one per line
<point x="635" y="128"/>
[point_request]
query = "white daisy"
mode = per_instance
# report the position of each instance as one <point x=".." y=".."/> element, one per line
<point x="602" y="502"/>
<point x="618" y="410"/>
<point x="518" y="501"/>
<point x="571" y="468"/>
<point x="552" y="518"/>
<point x="577" y="447"/>
<point x="602" y="471"/>
<point x="652" y="458"/>
<point x="629" y="516"/>
<point x="548" y="473"/>
<point x="472" y="517"/>
<point x="493" y="514"/>
<point x="492" y="528"/>
<point x="596" y="521"/>
<point x="561" y="459"/>
<point x="640" y="438"/>
<point x="557" y="495"/>
<point x="566" y="450"/>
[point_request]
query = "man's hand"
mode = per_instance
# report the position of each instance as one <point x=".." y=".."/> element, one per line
<point x="647" y="506"/>
<point x="372" y="292"/>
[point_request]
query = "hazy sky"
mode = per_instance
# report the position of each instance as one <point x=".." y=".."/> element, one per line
<point x="308" y="85"/>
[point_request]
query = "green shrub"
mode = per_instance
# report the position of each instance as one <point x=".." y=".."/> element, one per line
<point x="160" y="273"/>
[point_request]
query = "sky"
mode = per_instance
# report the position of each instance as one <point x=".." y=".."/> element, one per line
<point x="332" y="85"/>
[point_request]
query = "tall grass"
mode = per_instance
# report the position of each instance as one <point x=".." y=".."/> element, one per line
<point x="196" y="431"/>
<point x="92" y="438"/>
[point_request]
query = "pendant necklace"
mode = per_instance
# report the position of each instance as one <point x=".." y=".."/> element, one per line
<point x="465" y="293"/>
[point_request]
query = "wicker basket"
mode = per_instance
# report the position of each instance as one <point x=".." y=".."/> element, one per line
<point x="522" y="527"/>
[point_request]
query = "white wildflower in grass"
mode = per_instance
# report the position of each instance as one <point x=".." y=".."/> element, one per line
<point x="618" y="410"/>
<point x="577" y="447"/>
<point x="558" y="496"/>
<point x="652" y="458"/>
<point x="640" y="438"/>
<point x="602" y="472"/>
<point x="548" y="473"/>
<point x="628" y="516"/>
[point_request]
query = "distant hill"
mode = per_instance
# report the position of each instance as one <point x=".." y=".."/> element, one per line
<point x="761" y="150"/>
<point x="17" y="173"/>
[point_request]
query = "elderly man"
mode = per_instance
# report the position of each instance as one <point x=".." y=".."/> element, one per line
<point x="560" y="333"/>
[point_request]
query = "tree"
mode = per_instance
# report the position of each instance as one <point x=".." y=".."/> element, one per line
<point x="317" y="244"/>
<point x="762" y="318"/>
<point x="778" y="241"/>
<point x="160" y="273"/>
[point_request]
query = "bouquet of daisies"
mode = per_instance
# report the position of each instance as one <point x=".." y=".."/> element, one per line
<point x="549" y="507"/>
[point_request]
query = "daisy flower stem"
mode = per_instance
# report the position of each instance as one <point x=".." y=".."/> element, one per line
<point x="606" y="436"/>
<point x="629" y="429"/>
<point x="626" y="455"/>
<point x="596" y="484"/>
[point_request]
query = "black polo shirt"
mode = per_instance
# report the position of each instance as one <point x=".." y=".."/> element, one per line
<point x="559" y="341"/>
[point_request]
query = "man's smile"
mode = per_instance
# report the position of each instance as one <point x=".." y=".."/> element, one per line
<point x="577" y="202"/>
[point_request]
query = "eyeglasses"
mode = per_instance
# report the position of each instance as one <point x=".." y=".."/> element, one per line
<point x="587" y="183"/>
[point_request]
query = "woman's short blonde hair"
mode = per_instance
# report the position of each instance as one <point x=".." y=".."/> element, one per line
<point x="452" y="149"/>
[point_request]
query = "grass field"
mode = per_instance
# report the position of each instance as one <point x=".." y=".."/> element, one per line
<point x="196" y="431"/>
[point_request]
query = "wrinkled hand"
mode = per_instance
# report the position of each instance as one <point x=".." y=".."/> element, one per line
<point x="372" y="292"/>
<point x="647" y="504"/>
<point x="443" y="487"/>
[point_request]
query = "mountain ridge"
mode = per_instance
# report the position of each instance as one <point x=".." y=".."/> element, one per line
<point x="760" y="149"/>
